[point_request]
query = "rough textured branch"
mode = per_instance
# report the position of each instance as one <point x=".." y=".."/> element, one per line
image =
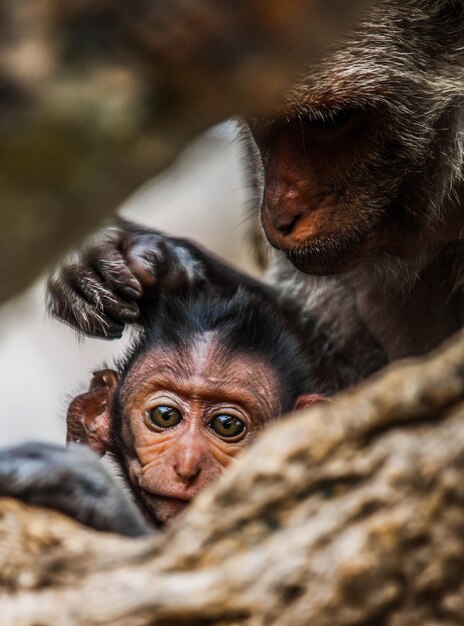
<point x="97" y="97"/>
<point x="352" y="513"/>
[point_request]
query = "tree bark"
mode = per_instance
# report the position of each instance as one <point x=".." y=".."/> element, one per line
<point x="98" y="96"/>
<point x="351" y="513"/>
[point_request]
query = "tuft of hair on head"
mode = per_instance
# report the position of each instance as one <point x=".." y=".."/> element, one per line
<point x="245" y="323"/>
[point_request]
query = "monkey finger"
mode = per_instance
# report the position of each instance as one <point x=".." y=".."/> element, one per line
<point x="105" y="301"/>
<point x="89" y="321"/>
<point x="115" y="272"/>
<point x="68" y="305"/>
<point x="147" y="259"/>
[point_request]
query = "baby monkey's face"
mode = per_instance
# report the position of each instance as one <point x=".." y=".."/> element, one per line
<point x="178" y="417"/>
<point x="186" y="417"/>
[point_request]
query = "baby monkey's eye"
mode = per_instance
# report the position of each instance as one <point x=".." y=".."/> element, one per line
<point x="227" y="426"/>
<point x="164" y="416"/>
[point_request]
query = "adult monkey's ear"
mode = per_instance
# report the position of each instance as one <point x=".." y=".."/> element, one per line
<point x="88" y="418"/>
<point x="307" y="400"/>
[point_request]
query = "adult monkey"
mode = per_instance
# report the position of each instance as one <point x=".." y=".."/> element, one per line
<point x="363" y="181"/>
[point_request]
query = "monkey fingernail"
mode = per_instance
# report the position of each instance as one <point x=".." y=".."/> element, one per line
<point x="133" y="284"/>
<point x="128" y="314"/>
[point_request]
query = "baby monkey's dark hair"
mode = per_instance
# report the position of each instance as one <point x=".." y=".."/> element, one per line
<point x="244" y="323"/>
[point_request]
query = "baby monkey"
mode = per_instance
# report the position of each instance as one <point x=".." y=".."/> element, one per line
<point x="204" y="377"/>
<point x="212" y="364"/>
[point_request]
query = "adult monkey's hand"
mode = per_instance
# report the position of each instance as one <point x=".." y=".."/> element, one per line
<point x="71" y="480"/>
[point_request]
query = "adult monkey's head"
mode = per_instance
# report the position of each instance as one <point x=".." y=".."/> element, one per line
<point x="366" y="157"/>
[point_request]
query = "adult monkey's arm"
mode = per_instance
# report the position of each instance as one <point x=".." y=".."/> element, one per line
<point x="96" y="97"/>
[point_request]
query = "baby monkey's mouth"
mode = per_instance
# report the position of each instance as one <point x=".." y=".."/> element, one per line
<point x="165" y="507"/>
<point x="166" y="497"/>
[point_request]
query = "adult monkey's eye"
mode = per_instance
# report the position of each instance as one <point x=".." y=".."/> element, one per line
<point x="165" y="416"/>
<point x="227" y="426"/>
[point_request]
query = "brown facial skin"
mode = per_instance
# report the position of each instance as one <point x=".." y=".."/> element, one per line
<point x="317" y="205"/>
<point x="172" y="465"/>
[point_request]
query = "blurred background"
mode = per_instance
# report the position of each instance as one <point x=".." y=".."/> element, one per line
<point x="205" y="195"/>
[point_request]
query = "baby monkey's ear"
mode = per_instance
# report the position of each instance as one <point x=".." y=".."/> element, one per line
<point x="88" y="419"/>
<point x="308" y="400"/>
